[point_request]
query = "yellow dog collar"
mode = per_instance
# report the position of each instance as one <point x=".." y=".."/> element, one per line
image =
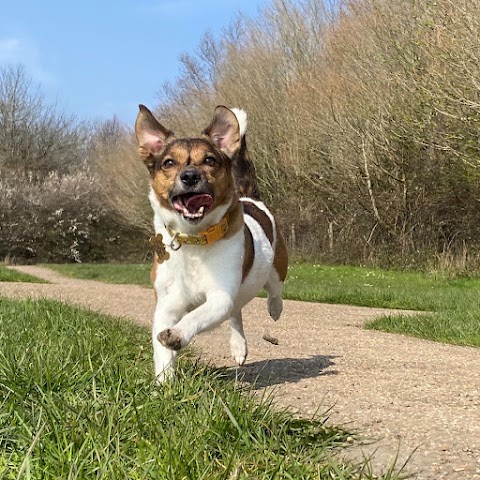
<point x="207" y="237"/>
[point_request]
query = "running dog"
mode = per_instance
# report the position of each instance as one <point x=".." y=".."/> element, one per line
<point x="217" y="245"/>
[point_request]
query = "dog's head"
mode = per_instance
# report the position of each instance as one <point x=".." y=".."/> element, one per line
<point x="190" y="177"/>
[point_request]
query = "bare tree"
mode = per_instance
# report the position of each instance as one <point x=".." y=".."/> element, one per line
<point x="34" y="136"/>
<point x="364" y="121"/>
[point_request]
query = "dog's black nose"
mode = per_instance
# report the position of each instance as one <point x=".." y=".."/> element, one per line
<point x="190" y="177"/>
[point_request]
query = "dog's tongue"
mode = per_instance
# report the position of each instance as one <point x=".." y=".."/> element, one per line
<point x="195" y="202"/>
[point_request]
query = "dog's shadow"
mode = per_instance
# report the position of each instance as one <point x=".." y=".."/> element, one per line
<point x="266" y="373"/>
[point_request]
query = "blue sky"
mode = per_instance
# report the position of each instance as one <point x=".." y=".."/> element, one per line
<point x="103" y="57"/>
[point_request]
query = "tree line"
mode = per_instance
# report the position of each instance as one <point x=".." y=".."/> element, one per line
<point x="363" y="123"/>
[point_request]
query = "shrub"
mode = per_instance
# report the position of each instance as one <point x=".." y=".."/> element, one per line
<point x="61" y="219"/>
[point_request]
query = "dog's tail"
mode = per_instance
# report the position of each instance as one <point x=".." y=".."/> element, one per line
<point x="243" y="167"/>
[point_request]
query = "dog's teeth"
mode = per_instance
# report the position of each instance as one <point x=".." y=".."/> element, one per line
<point x="187" y="214"/>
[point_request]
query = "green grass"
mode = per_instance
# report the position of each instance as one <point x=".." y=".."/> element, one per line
<point x="138" y="274"/>
<point x="77" y="402"/>
<point x="9" y="275"/>
<point x="454" y="303"/>
<point x="328" y="284"/>
<point x="456" y="326"/>
<point x="372" y="287"/>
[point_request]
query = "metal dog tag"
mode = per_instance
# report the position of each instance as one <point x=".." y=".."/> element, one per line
<point x="158" y="246"/>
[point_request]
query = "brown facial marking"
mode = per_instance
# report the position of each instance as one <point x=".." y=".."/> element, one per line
<point x="249" y="253"/>
<point x="163" y="177"/>
<point x="280" y="260"/>
<point x="192" y="152"/>
<point x="261" y="217"/>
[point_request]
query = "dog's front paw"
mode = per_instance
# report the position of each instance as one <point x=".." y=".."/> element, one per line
<point x="170" y="338"/>
<point x="165" y="376"/>
<point x="238" y="347"/>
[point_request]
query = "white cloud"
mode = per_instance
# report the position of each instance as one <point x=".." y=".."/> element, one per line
<point x="9" y="50"/>
<point x="17" y="50"/>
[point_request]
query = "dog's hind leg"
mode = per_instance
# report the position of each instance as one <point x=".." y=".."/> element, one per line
<point x="274" y="288"/>
<point x="238" y="342"/>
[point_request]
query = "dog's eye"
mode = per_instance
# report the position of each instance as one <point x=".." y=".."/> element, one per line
<point x="168" y="163"/>
<point x="210" y="161"/>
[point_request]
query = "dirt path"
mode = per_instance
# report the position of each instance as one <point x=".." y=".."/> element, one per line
<point x="407" y="393"/>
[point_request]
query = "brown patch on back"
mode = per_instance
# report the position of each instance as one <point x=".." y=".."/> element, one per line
<point x="261" y="217"/>
<point x="280" y="260"/>
<point x="235" y="218"/>
<point x="249" y="253"/>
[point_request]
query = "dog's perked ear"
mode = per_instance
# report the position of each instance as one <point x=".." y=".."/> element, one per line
<point x="224" y="131"/>
<point x="151" y="136"/>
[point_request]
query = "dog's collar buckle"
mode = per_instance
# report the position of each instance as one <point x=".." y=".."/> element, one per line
<point x="175" y="244"/>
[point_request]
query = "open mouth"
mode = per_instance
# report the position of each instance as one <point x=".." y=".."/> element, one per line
<point x="193" y="206"/>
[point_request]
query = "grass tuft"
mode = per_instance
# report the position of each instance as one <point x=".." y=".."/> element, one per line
<point x="9" y="275"/>
<point x="77" y="402"/>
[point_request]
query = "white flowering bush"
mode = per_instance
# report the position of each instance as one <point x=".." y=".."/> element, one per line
<point x="59" y="218"/>
<point x="53" y="207"/>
